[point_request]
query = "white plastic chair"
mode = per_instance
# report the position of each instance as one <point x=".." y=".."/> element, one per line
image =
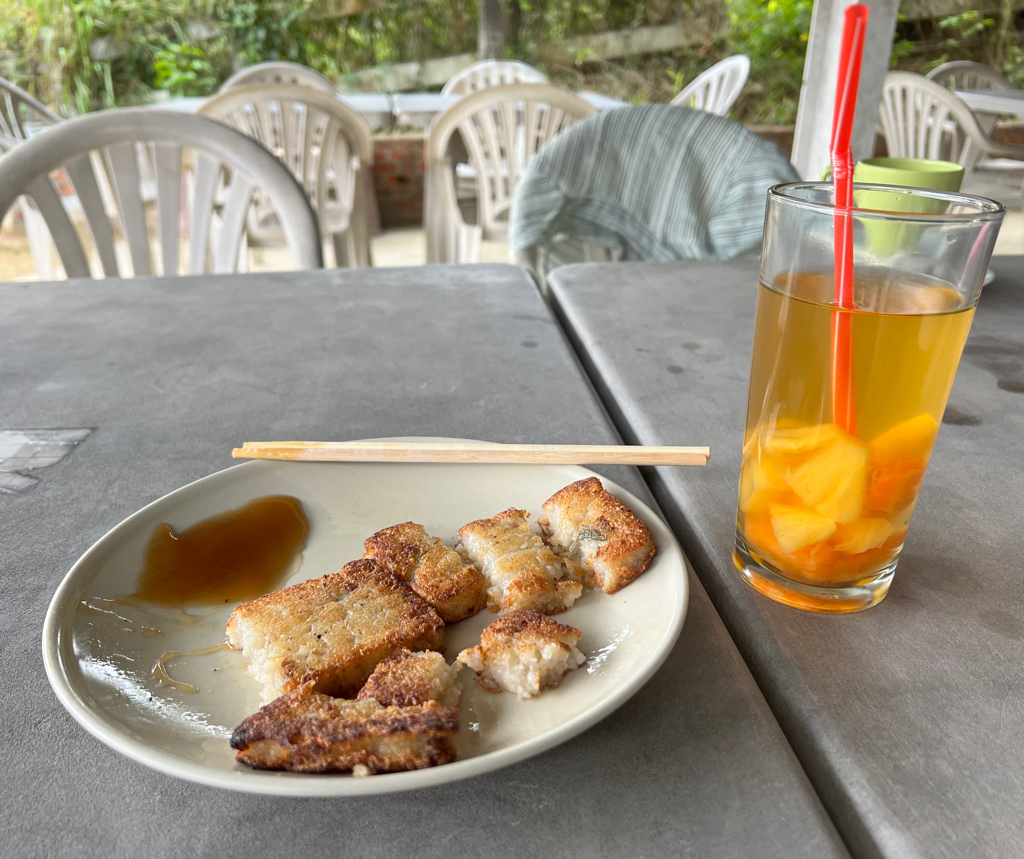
<point x="279" y="73"/>
<point x="716" y="89"/>
<point x="474" y="78"/>
<point x="18" y="113"/>
<point x="328" y="147"/>
<point x="964" y="75"/>
<point x="38" y="236"/>
<point x="191" y="155"/>
<point x="500" y="128"/>
<point x="488" y="73"/>
<point x="18" y="110"/>
<point x="922" y="119"/>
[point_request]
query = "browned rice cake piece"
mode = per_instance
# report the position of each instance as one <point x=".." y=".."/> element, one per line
<point x="521" y="571"/>
<point x="437" y="573"/>
<point x="306" y="731"/>
<point x="332" y="630"/>
<point x="524" y="652"/>
<point x="406" y="678"/>
<point x="591" y="526"/>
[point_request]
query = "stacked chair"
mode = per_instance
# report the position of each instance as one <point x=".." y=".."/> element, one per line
<point x="192" y="157"/>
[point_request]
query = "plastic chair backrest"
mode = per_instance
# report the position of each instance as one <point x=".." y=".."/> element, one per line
<point x="279" y="73"/>
<point x="965" y="75"/>
<point x="923" y="119"/>
<point x="190" y="155"/>
<point x="320" y="139"/>
<point x="18" y="109"/>
<point x="490" y="73"/>
<point x="716" y="89"/>
<point x="502" y="127"/>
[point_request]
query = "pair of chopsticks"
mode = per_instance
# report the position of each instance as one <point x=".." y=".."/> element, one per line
<point x="542" y="454"/>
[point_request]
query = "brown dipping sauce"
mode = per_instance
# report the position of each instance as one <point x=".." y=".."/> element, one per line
<point x="233" y="557"/>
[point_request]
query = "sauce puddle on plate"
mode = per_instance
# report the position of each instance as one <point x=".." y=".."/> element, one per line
<point x="236" y="556"/>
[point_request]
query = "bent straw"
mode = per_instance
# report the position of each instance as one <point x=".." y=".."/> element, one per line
<point x="850" y="54"/>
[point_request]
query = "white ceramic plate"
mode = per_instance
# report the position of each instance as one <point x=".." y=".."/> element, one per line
<point x="99" y="659"/>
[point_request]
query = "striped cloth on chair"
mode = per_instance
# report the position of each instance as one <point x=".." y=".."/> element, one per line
<point x="651" y="182"/>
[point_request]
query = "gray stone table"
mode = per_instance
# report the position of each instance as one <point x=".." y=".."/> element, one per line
<point x="173" y="373"/>
<point x="908" y="717"/>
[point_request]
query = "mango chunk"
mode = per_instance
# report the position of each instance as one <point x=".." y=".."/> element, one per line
<point x="893" y="486"/>
<point x="833" y="479"/>
<point x="795" y="528"/>
<point x="862" y="535"/>
<point x="791" y="440"/>
<point x="910" y="440"/>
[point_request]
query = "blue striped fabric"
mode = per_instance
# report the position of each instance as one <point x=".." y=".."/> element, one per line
<point x="655" y="182"/>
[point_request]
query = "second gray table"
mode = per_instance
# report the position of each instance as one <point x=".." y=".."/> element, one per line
<point x="908" y="716"/>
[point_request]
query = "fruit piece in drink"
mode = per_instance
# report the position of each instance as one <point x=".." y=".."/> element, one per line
<point x="897" y="462"/>
<point x="833" y="478"/>
<point x="795" y="528"/>
<point x="761" y="484"/>
<point x="862" y="535"/>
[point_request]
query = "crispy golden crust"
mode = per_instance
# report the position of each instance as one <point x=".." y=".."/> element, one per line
<point x="521" y="571"/>
<point x="584" y="519"/>
<point x="305" y="731"/>
<point x="437" y="573"/>
<point x="528" y="623"/>
<point x="405" y="679"/>
<point x="332" y="630"/>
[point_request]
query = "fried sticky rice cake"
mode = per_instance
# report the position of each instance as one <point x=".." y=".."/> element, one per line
<point x="306" y="731"/>
<point x="592" y="527"/>
<point x="333" y="630"/>
<point x="521" y="571"/>
<point x="405" y="679"/>
<point x="524" y="652"/>
<point x="436" y="572"/>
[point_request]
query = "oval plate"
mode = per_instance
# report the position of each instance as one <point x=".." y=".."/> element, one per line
<point x="99" y="654"/>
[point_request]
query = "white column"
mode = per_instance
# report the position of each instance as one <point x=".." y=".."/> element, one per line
<point x="817" y="95"/>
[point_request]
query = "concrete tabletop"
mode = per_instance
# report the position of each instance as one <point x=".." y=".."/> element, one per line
<point x="909" y="716"/>
<point x="374" y="106"/>
<point x="418" y="109"/>
<point x="994" y="100"/>
<point x="170" y="374"/>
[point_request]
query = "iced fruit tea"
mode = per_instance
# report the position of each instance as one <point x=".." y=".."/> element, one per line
<point x="818" y="504"/>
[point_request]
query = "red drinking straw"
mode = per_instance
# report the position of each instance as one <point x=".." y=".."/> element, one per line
<point x="850" y="53"/>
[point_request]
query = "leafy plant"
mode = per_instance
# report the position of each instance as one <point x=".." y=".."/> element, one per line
<point x="1013" y="68"/>
<point x="963" y="26"/>
<point x="678" y="80"/>
<point x="184" y="70"/>
<point x="774" y="36"/>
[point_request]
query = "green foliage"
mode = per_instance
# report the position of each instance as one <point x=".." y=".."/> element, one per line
<point x="678" y="80"/>
<point x="963" y="26"/>
<point x="87" y="54"/>
<point x="1013" y="68"/>
<point x="264" y="30"/>
<point x="773" y="33"/>
<point x="184" y="70"/>
<point x="81" y="55"/>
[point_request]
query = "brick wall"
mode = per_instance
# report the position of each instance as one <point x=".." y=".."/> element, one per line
<point x="398" y="179"/>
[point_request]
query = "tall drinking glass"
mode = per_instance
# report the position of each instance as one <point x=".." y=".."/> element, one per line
<point x="825" y="502"/>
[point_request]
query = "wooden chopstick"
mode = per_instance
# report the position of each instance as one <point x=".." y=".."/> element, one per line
<point x="543" y="454"/>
